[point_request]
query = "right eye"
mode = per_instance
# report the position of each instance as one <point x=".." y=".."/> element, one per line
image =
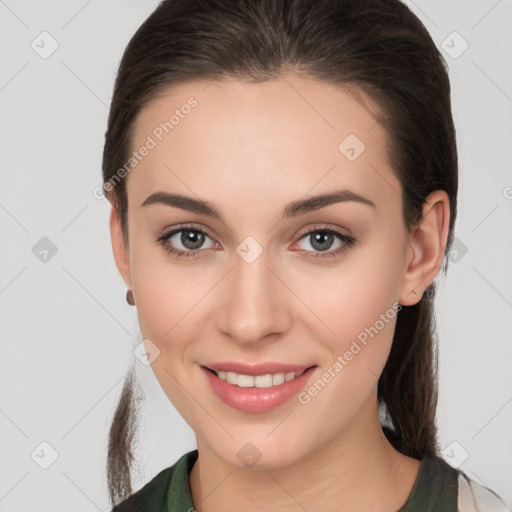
<point x="184" y="241"/>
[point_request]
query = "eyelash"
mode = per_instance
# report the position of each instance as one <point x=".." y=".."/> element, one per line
<point x="348" y="242"/>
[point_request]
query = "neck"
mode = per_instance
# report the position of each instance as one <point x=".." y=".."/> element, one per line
<point x="357" y="470"/>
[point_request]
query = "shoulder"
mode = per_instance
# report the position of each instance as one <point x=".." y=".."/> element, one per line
<point x="150" y="496"/>
<point x="443" y="487"/>
<point x="170" y="485"/>
<point x="473" y="497"/>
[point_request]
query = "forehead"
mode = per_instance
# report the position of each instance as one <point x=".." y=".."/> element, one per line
<point x="272" y="136"/>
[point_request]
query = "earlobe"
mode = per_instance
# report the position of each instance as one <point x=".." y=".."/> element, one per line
<point x="119" y="248"/>
<point x="428" y="244"/>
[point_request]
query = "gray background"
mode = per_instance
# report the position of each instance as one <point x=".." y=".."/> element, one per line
<point x="67" y="335"/>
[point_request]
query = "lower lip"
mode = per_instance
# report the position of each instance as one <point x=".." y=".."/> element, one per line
<point x="256" y="399"/>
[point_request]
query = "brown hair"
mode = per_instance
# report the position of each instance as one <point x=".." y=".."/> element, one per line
<point x="376" y="46"/>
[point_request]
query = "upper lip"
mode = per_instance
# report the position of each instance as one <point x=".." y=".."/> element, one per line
<point x="256" y="368"/>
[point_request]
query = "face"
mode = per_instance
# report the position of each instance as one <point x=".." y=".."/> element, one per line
<point x="313" y="285"/>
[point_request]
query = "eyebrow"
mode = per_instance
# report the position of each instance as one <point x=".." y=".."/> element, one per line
<point x="292" y="209"/>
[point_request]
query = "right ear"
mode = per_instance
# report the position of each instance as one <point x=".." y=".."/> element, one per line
<point x="119" y="247"/>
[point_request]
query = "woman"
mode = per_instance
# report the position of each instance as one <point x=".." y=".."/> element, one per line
<point x="283" y="181"/>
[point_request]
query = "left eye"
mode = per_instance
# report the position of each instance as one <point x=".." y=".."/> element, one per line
<point x="322" y="240"/>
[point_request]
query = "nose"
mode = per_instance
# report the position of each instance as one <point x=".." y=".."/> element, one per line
<point x="254" y="304"/>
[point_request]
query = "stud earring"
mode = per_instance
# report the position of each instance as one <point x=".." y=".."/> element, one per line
<point x="129" y="298"/>
<point x="415" y="292"/>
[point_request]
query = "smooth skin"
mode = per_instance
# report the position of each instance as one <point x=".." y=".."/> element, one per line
<point x="249" y="149"/>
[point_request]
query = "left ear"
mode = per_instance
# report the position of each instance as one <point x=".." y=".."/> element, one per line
<point x="427" y="247"/>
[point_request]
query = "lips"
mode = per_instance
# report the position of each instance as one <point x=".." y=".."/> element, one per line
<point x="257" y="399"/>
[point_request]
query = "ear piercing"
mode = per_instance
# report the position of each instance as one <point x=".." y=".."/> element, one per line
<point x="129" y="298"/>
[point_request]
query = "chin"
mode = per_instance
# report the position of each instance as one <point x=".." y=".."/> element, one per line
<point x="256" y="452"/>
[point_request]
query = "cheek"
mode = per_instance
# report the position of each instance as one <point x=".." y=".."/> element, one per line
<point x="358" y="309"/>
<point x="167" y="311"/>
<point x="364" y="333"/>
<point x="167" y="292"/>
<point x="354" y="360"/>
<point x="353" y="297"/>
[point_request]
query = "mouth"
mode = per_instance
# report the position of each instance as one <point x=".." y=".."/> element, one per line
<point x="257" y="388"/>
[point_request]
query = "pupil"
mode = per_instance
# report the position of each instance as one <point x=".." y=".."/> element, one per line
<point x="192" y="239"/>
<point x="322" y="240"/>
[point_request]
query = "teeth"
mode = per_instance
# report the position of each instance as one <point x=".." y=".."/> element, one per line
<point x="245" y="381"/>
<point x="258" y="381"/>
<point x="277" y="379"/>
